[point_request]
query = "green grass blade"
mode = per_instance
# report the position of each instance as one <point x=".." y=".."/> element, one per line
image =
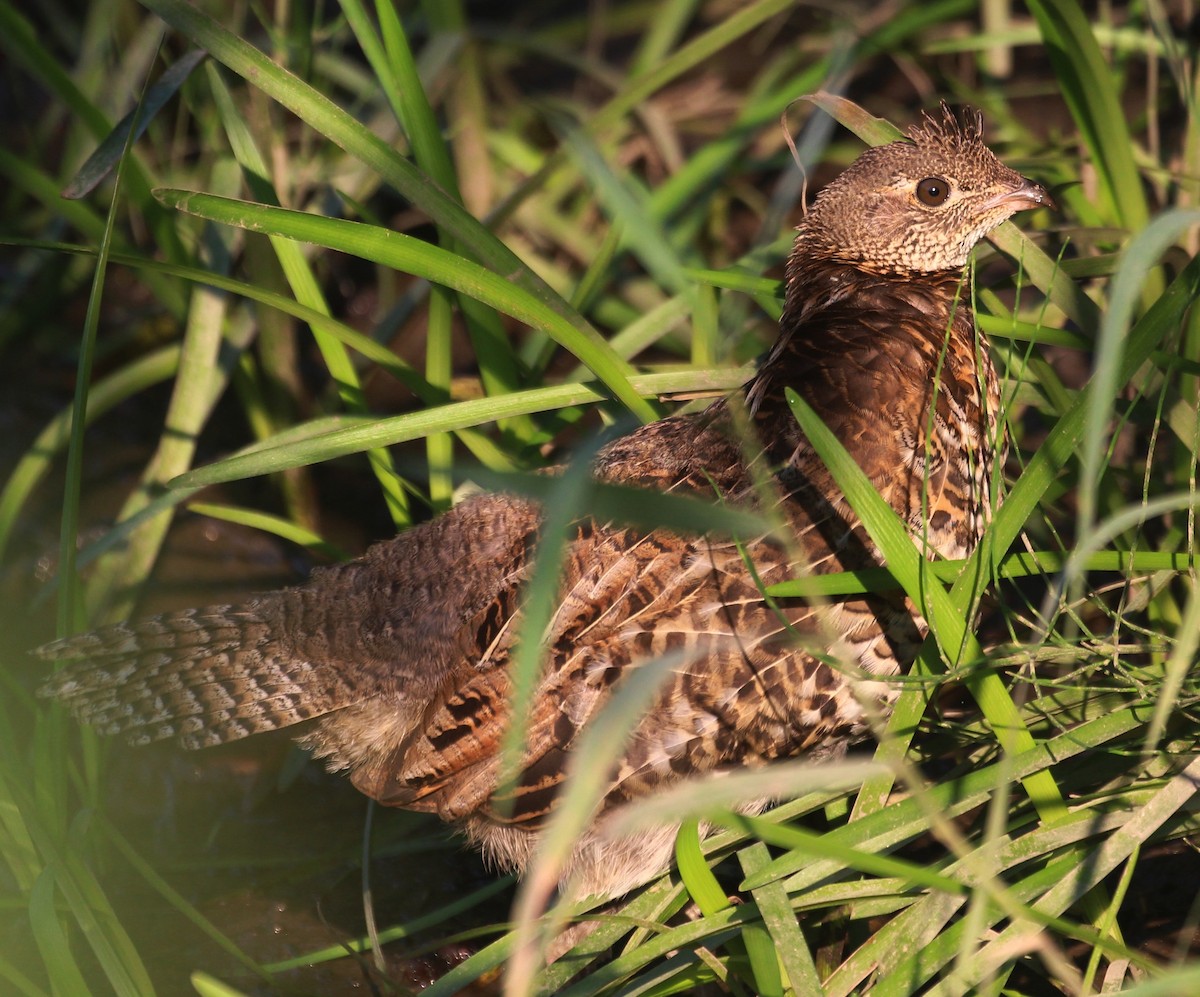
<point x="340" y="128"/>
<point x="701" y="884"/>
<point x="1139" y="258"/>
<point x="589" y="775"/>
<point x="1062" y="442"/>
<point x="1058" y="448"/>
<point x="1046" y="274"/>
<point x="20" y="41"/>
<point x="784" y="936"/>
<point x="276" y="525"/>
<point x="796" y="839"/>
<point x="895" y="542"/>
<point x="50" y="783"/>
<point x="65" y="975"/>
<point x="20" y="983"/>
<point x="1087" y="82"/>
<point x="688" y="56"/>
<point x="485" y="450"/>
<point x="482" y="963"/>
<point x="947" y="624"/>
<point x="1078" y="882"/>
<point x="403" y="932"/>
<point x="423" y="260"/>
<point x="34" y="180"/>
<point x="115" y="582"/>
<point x="316" y="443"/>
<point x="907" y="819"/>
<point x="180" y="904"/>
<point x="16" y="844"/>
<point x="67" y="874"/>
<point x="628" y="208"/>
<point x="791" y="779"/>
<point x="308" y="293"/>
<point x="108" y="153"/>
<point x="209" y="986"/>
<point x="1016" y="564"/>
<point x="393" y="63"/>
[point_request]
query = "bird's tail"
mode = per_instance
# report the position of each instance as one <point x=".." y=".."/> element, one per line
<point x="205" y="676"/>
<point x="385" y="627"/>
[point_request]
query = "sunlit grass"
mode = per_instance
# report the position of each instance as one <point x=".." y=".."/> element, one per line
<point x="586" y="211"/>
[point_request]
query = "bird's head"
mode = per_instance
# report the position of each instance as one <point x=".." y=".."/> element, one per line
<point x="917" y="205"/>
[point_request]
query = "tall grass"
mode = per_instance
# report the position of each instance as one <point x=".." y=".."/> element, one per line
<point x="575" y="216"/>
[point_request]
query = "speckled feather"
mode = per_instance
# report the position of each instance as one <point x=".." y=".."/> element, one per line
<point x="402" y="656"/>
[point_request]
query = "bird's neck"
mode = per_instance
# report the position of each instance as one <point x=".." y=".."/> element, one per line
<point x="894" y="367"/>
<point x="816" y="285"/>
<point x="843" y="325"/>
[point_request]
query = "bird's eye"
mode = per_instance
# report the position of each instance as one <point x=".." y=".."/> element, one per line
<point x="933" y="191"/>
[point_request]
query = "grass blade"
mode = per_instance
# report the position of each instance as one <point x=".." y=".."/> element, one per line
<point x="423" y="260"/>
<point x="108" y="153"/>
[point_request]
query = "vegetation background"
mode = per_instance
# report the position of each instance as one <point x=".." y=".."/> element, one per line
<point x="203" y="396"/>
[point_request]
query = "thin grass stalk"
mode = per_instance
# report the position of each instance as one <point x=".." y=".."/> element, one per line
<point x="339" y="128"/>
<point x="116" y="581"/>
<point x="480" y="446"/>
<point x="304" y="286"/>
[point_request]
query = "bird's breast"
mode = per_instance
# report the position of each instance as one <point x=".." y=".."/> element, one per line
<point x="898" y="372"/>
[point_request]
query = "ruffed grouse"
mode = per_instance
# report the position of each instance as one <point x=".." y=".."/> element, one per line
<point x="401" y="657"/>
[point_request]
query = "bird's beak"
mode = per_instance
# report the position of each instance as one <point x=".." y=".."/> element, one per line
<point x="1024" y="196"/>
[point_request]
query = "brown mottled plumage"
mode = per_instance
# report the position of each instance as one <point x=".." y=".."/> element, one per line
<point x="402" y="655"/>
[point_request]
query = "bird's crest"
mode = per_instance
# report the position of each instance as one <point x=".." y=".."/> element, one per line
<point x="948" y="128"/>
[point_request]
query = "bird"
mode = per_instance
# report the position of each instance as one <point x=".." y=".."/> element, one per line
<point x="400" y="661"/>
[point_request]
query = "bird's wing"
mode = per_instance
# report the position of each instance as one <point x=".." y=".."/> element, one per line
<point x="739" y="682"/>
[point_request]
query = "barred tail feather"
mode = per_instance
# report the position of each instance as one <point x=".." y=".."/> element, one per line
<point x="204" y="676"/>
